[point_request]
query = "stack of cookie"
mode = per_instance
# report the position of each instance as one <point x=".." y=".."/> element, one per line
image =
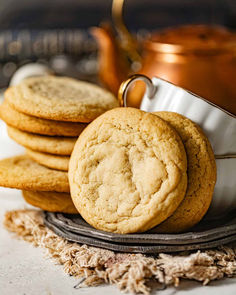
<point x="130" y="171"/>
<point x="46" y="115"/>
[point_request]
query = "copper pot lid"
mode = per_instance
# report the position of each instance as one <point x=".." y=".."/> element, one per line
<point x="197" y="39"/>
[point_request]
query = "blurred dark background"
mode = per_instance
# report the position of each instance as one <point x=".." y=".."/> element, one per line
<point x="148" y="14"/>
<point x="55" y="32"/>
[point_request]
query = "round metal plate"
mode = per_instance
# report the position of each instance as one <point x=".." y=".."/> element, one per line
<point x="205" y="235"/>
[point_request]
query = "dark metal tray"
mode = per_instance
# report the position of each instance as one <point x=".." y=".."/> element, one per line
<point x="207" y="234"/>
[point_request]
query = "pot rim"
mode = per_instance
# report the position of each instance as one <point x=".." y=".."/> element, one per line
<point x="169" y="48"/>
<point x="201" y="39"/>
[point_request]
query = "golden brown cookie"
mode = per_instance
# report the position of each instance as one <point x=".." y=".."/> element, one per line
<point x="49" y="160"/>
<point x="36" y="125"/>
<point x="50" y="201"/>
<point x="23" y="173"/>
<point x="127" y="172"/>
<point x="42" y="143"/>
<point x="60" y="98"/>
<point x="201" y="173"/>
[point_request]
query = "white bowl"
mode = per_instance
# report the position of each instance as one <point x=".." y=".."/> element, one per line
<point x="218" y="124"/>
<point x="224" y="198"/>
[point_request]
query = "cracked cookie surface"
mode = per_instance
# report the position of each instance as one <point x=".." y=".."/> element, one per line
<point x="60" y="98"/>
<point x="201" y="172"/>
<point x="127" y="172"/>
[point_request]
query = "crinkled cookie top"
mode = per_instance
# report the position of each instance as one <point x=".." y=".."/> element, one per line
<point x="127" y="171"/>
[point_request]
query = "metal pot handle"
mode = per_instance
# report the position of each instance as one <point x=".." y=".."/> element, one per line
<point x="124" y="87"/>
<point x="128" y="43"/>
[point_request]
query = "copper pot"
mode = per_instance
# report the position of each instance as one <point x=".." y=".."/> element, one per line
<point x="200" y="58"/>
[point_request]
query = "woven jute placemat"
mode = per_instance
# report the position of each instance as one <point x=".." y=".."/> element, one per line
<point x="130" y="272"/>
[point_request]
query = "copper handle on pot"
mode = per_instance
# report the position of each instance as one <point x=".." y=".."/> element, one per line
<point x="127" y="41"/>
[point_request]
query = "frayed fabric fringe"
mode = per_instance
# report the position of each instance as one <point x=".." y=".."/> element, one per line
<point x="129" y="272"/>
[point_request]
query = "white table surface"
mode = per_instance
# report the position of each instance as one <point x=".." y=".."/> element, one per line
<point x="24" y="269"/>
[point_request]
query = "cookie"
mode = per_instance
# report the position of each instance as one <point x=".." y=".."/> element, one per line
<point x="201" y="171"/>
<point x="60" y="98"/>
<point x="49" y="160"/>
<point x="50" y="201"/>
<point x="23" y="173"/>
<point x="42" y="143"/>
<point x="36" y="125"/>
<point x="127" y="172"/>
